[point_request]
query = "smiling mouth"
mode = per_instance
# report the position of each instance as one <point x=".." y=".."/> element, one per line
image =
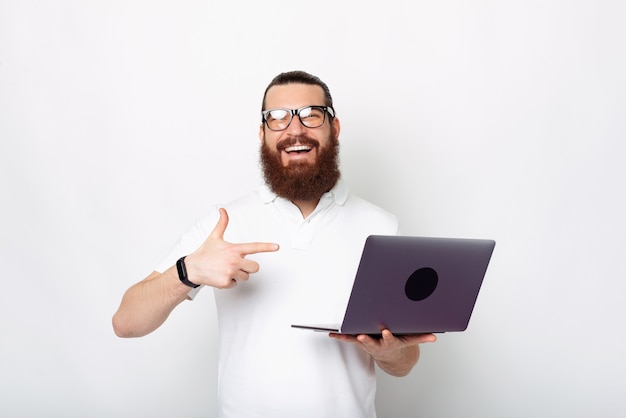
<point x="298" y="149"/>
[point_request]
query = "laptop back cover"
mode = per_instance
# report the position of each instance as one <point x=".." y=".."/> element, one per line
<point x="415" y="285"/>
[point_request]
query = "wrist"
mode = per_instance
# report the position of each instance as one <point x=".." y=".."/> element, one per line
<point x="182" y="273"/>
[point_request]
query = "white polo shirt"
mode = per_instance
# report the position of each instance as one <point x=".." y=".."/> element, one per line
<point x="267" y="368"/>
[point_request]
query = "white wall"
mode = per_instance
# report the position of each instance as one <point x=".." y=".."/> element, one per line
<point x="121" y="121"/>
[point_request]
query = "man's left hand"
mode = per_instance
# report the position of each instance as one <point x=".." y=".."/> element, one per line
<point x="394" y="354"/>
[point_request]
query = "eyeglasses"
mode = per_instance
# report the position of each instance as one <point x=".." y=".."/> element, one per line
<point x="310" y="116"/>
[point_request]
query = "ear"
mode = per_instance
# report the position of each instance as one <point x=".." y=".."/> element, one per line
<point x="262" y="133"/>
<point x="336" y="125"/>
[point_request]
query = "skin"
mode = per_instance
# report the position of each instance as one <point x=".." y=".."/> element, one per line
<point x="146" y="305"/>
<point x="217" y="263"/>
<point x="295" y="96"/>
<point x="394" y="355"/>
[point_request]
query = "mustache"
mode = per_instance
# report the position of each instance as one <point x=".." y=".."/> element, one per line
<point x="302" y="140"/>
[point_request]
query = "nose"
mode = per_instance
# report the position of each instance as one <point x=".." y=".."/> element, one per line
<point x="296" y="126"/>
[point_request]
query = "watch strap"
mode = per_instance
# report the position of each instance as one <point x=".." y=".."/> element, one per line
<point x="182" y="273"/>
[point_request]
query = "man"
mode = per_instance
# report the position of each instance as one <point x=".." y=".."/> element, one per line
<point x="283" y="254"/>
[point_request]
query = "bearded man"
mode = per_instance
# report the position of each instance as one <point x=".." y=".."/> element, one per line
<point x="285" y="253"/>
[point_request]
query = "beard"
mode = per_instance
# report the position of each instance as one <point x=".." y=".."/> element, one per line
<point x="301" y="180"/>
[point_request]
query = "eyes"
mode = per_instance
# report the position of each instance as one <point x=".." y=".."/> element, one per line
<point x="310" y="116"/>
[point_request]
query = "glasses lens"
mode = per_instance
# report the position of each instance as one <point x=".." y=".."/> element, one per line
<point x="312" y="117"/>
<point x="278" y="119"/>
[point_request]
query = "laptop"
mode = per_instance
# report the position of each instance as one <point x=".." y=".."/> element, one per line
<point x="414" y="285"/>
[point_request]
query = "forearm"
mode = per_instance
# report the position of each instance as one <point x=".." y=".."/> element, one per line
<point x="402" y="362"/>
<point x="147" y="304"/>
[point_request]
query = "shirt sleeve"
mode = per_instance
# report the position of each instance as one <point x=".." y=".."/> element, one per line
<point x="189" y="242"/>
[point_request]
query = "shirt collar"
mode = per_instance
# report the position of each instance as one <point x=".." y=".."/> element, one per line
<point x="339" y="193"/>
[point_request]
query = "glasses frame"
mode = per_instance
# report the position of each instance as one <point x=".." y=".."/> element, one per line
<point x="296" y="112"/>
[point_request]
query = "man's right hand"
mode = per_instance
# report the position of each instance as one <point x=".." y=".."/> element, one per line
<point x="147" y="304"/>
<point x="221" y="264"/>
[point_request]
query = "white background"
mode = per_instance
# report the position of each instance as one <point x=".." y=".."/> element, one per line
<point x="121" y="122"/>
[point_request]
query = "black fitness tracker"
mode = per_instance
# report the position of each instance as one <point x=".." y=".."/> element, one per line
<point x="182" y="273"/>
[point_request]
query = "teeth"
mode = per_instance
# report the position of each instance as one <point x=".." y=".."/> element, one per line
<point x="298" y="148"/>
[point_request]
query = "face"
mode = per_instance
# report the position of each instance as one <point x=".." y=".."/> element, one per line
<point x="295" y="96"/>
<point x="299" y="163"/>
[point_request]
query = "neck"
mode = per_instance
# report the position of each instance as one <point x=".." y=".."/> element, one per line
<point x="306" y="206"/>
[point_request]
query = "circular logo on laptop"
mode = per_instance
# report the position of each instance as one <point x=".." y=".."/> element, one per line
<point x="421" y="284"/>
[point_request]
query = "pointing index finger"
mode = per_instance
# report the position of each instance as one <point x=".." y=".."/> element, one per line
<point x="258" y="247"/>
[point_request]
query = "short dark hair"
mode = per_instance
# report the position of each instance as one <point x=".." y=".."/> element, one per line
<point x="299" y="77"/>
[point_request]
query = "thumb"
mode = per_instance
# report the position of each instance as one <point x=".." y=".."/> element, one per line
<point x="220" y="227"/>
